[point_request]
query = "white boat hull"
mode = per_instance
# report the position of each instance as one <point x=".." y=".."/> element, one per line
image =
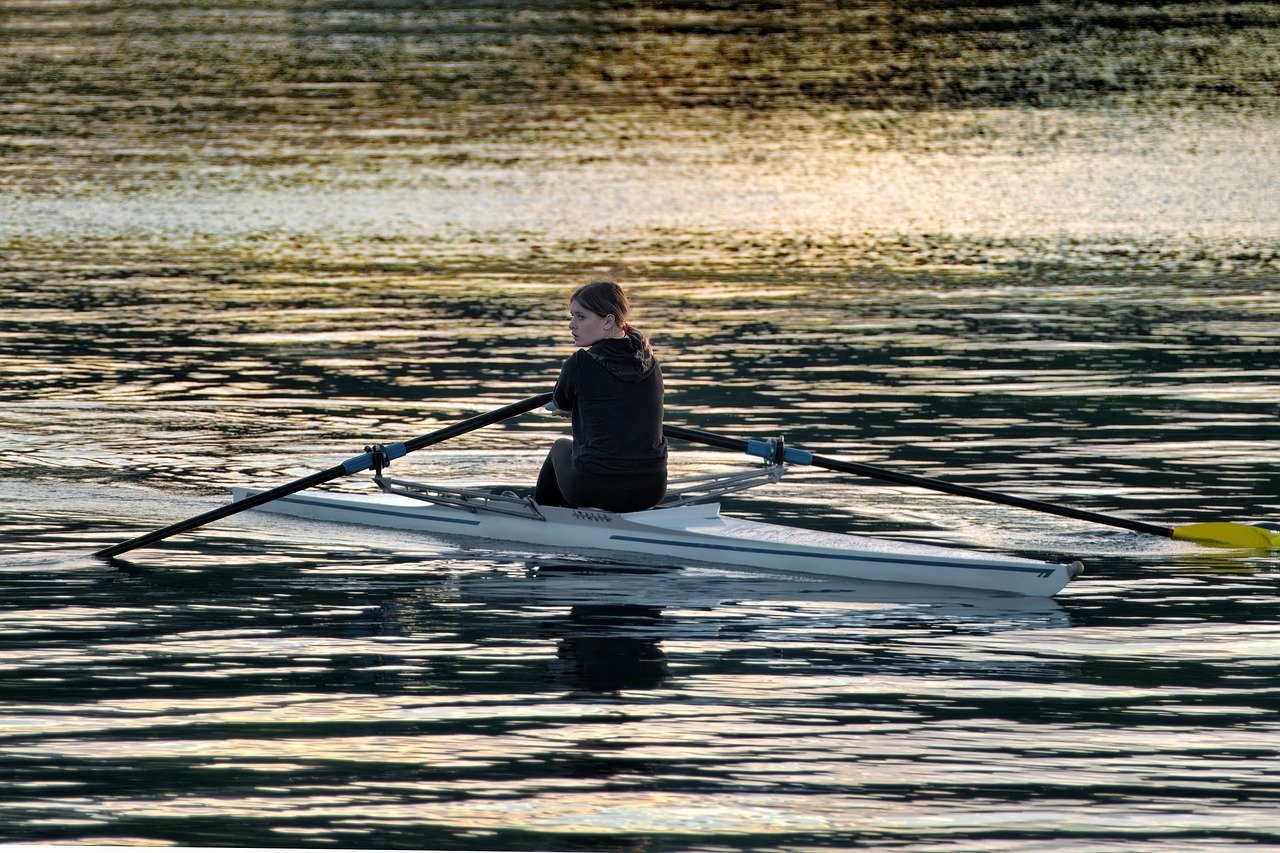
<point x="696" y="534"/>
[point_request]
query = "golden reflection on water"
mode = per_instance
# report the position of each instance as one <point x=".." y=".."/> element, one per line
<point x="987" y="243"/>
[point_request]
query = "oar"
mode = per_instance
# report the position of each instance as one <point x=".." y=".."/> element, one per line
<point x="373" y="457"/>
<point x="1223" y="533"/>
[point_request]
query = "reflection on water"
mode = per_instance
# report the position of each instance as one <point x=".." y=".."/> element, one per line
<point x="817" y="135"/>
<point x="605" y="648"/>
<point x="1021" y="246"/>
<point x="418" y="703"/>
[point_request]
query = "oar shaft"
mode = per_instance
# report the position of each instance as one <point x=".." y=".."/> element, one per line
<point x="222" y="512"/>
<point x="985" y="495"/>
<point x="874" y="472"/>
<point x="351" y="466"/>
<point x="475" y="423"/>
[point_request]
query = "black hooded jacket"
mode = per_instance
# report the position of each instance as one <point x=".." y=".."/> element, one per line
<point x="614" y="389"/>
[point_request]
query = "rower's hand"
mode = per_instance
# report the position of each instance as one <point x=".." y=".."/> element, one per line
<point x="557" y="411"/>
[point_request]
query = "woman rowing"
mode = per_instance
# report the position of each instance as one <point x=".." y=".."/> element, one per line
<point x="612" y="390"/>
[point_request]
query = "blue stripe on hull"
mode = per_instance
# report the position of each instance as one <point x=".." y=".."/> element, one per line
<point x="1044" y="572"/>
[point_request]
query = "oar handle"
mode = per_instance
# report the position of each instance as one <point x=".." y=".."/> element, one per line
<point x="877" y="473"/>
<point x="352" y="466"/>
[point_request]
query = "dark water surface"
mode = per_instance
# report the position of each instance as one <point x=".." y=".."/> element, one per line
<point x="1031" y="247"/>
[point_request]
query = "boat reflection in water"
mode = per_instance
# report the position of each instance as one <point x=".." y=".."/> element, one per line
<point x="620" y="627"/>
<point x="607" y="648"/>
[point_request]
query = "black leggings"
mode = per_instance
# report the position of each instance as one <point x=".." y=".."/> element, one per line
<point x="560" y="484"/>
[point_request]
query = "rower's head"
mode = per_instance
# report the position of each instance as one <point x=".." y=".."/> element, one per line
<point x="598" y="310"/>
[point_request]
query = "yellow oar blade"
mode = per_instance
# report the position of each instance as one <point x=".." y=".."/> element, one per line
<point x="1228" y="534"/>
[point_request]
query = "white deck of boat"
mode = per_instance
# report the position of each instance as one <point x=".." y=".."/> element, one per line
<point x="698" y="533"/>
<point x="705" y="519"/>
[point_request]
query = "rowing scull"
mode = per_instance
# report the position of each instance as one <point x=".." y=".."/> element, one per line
<point x="696" y="534"/>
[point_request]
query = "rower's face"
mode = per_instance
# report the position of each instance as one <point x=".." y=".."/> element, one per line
<point x="587" y="327"/>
